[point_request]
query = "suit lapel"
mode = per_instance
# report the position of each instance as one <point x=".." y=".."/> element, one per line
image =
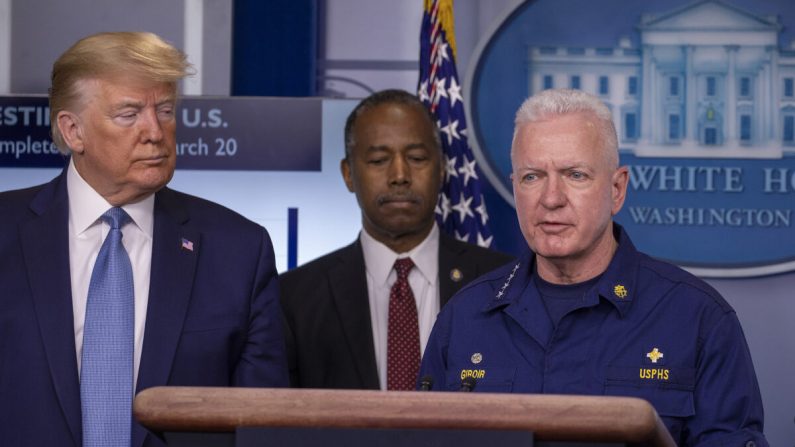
<point x="45" y="244"/>
<point x="349" y="291"/>
<point x="455" y="269"/>
<point x="173" y="269"/>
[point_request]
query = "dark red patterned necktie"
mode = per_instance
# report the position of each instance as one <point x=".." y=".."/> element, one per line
<point x="403" y="334"/>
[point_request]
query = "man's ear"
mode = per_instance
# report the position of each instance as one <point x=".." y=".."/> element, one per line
<point x="345" y="169"/>
<point x="619" y="188"/>
<point x="71" y="130"/>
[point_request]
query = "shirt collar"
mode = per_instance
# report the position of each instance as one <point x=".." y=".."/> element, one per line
<point x="511" y="285"/>
<point x="616" y="286"/>
<point x="618" y="282"/>
<point x="379" y="259"/>
<point x="86" y="205"/>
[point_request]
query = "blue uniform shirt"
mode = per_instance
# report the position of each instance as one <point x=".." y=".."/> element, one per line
<point x="646" y="329"/>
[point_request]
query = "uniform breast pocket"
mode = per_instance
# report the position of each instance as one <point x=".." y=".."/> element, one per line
<point x="668" y="390"/>
<point x="485" y="379"/>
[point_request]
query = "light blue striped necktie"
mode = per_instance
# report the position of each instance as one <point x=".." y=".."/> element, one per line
<point x="106" y="377"/>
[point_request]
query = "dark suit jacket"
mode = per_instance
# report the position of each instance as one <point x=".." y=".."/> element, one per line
<point x="327" y="312"/>
<point x="213" y="316"/>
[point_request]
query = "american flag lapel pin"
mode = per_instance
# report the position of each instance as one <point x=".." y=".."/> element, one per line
<point x="186" y="244"/>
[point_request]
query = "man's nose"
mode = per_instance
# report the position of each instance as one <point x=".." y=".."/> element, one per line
<point x="152" y="128"/>
<point x="553" y="194"/>
<point x="399" y="171"/>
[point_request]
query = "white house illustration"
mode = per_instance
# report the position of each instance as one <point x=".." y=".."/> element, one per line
<point x="709" y="80"/>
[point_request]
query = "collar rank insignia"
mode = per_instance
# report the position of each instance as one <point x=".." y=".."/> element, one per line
<point x="620" y="291"/>
<point x="654" y="355"/>
<point x="508" y="281"/>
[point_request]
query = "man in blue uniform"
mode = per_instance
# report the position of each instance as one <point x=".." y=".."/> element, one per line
<point x="586" y="313"/>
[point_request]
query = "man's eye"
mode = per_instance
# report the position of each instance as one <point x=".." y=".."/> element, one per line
<point x="529" y="177"/>
<point x="165" y="115"/>
<point x="126" y="118"/>
<point x="577" y="175"/>
<point x="376" y="161"/>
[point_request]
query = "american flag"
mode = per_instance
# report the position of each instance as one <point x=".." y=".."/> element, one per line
<point x="187" y="245"/>
<point x="461" y="210"/>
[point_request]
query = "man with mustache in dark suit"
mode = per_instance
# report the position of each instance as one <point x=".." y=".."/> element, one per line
<point x="344" y="328"/>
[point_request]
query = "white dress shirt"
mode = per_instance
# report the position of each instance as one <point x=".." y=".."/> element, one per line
<point x="379" y="261"/>
<point x="86" y="234"/>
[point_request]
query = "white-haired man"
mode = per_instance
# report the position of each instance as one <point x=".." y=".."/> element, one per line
<point x="585" y="312"/>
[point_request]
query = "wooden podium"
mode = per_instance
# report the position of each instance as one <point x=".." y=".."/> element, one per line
<point x="217" y="414"/>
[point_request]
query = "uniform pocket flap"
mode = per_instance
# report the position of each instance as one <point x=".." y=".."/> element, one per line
<point x="494" y="379"/>
<point x="681" y="378"/>
<point x="670" y="402"/>
<point x="668" y="389"/>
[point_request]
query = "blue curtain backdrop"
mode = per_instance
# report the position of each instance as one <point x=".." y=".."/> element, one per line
<point x="274" y="47"/>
